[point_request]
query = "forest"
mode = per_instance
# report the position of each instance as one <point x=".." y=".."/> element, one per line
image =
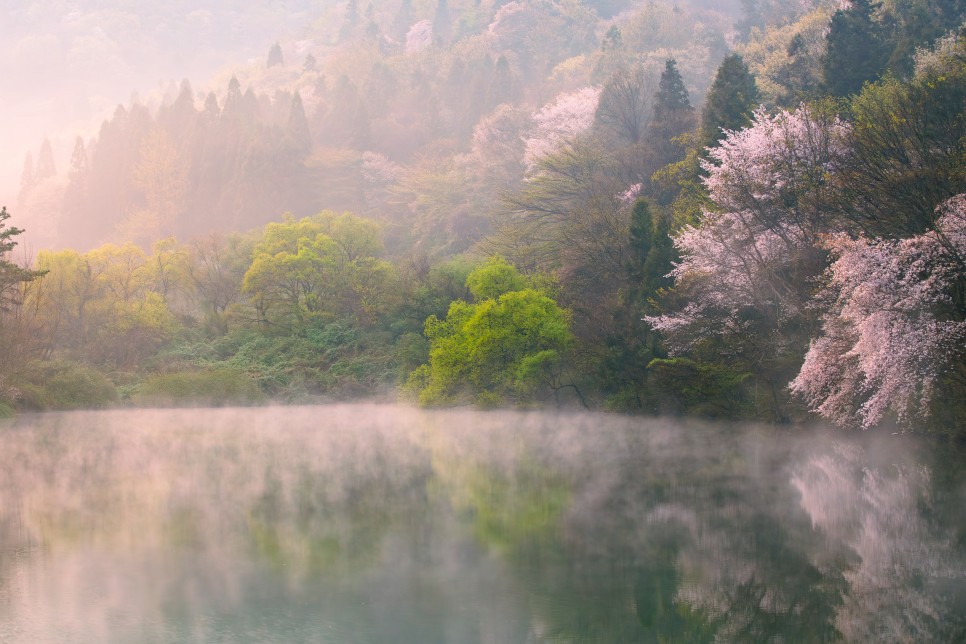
<point x="750" y="210"/>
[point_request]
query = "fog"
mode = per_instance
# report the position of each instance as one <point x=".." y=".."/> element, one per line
<point x="67" y="65"/>
<point x="366" y="523"/>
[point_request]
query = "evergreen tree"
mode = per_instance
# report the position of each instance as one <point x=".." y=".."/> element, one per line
<point x="297" y="128"/>
<point x="211" y="110"/>
<point x="45" y="162"/>
<point x="78" y="159"/>
<point x="797" y="76"/>
<point x="731" y="100"/>
<point x="233" y="99"/>
<point x="11" y="274"/>
<point x="612" y="41"/>
<point x="403" y="21"/>
<point x="442" y="24"/>
<point x="27" y="178"/>
<point x="275" y="58"/>
<point x="856" y="52"/>
<point x="673" y="116"/>
<point x="633" y="345"/>
<point x="311" y="64"/>
<point x="351" y="19"/>
<point x="502" y="86"/>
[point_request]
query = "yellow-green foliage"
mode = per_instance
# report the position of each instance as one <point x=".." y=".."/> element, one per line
<point x="109" y="305"/>
<point x="322" y="267"/>
<point x="210" y="387"/>
<point x="62" y="385"/>
<point x="499" y="349"/>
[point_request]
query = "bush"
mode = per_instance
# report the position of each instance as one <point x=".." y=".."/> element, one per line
<point x="62" y="384"/>
<point x="219" y="386"/>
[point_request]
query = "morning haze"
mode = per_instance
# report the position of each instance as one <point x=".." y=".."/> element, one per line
<point x="483" y="321"/>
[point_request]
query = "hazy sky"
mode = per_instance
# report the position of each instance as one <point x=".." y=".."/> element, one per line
<point x="66" y="64"/>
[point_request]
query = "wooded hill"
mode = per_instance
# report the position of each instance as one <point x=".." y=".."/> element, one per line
<point x="683" y="213"/>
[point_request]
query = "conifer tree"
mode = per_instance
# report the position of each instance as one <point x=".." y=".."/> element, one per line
<point x="211" y="110"/>
<point x="442" y="23"/>
<point x="11" y="274"/>
<point x="731" y="100"/>
<point x="275" y="58"/>
<point x="403" y="21"/>
<point x="27" y="178"/>
<point x="673" y="115"/>
<point x="351" y="19"/>
<point x="855" y="49"/>
<point x="297" y="128"/>
<point x="45" y="162"/>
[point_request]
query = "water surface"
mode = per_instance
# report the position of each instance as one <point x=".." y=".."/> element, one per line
<point x="364" y="523"/>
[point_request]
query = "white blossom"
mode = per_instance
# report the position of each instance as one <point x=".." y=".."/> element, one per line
<point x="561" y="120"/>
<point x="419" y="36"/>
<point x="891" y="328"/>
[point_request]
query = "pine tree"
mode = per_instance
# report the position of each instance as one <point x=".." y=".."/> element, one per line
<point x="855" y="49"/>
<point x="233" y="99"/>
<point x="641" y="231"/>
<point x="311" y="64"/>
<point x="28" y="179"/>
<point x="11" y="274"/>
<point x="731" y="100"/>
<point x="297" y="128"/>
<point x="673" y="116"/>
<point x="351" y="19"/>
<point x="275" y="58"/>
<point x="45" y="162"/>
<point x="403" y="21"/>
<point x="211" y="111"/>
<point x="442" y="24"/>
<point x="78" y="159"/>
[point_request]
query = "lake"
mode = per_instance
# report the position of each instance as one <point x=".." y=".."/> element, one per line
<point x="381" y="523"/>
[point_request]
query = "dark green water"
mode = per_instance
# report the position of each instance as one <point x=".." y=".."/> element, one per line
<point x="387" y="524"/>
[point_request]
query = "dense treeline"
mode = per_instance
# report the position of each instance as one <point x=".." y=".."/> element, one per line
<point x="618" y="213"/>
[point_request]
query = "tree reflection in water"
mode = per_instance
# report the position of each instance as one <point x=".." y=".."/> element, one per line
<point x="381" y="523"/>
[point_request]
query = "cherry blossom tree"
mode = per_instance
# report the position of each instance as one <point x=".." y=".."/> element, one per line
<point x="757" y="251"/>
<point x="560" y="121"/>
<point x="895" y="326"/>
<point x="747" y="269"/>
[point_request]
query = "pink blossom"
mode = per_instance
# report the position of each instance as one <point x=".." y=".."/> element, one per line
<point x="419" y="36"/>
<point x="891" y="329"/>
<point x="560" y="121"/>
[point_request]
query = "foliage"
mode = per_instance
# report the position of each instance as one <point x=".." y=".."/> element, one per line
<point x="218" y="386"/>
<point x="321" y="267"/>
<point x="504" y="347"/>
<point x="58" y="384"/>
<point x="730" y="102"/>
<point x="908" y="144"/>
<point x="855" y="49"/>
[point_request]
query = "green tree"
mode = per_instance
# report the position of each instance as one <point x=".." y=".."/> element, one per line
<point x="633" y="345"/>
<point x="503" y="348"/>
<point x="673" y="116"/>
<point x="907" y="149"/>
<point x="856" y="51"/>
<point x="12" y="275"/>
<point x="731" y="100"/>
<point x="322" y="267"/>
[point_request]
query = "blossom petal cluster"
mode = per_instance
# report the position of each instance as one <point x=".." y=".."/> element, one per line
<point x="892" y="326"/>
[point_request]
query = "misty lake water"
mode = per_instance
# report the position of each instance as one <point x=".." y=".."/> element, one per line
<point x="367" y="523"/>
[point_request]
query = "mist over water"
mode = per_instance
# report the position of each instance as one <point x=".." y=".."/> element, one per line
<point x="364" y="523"/>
